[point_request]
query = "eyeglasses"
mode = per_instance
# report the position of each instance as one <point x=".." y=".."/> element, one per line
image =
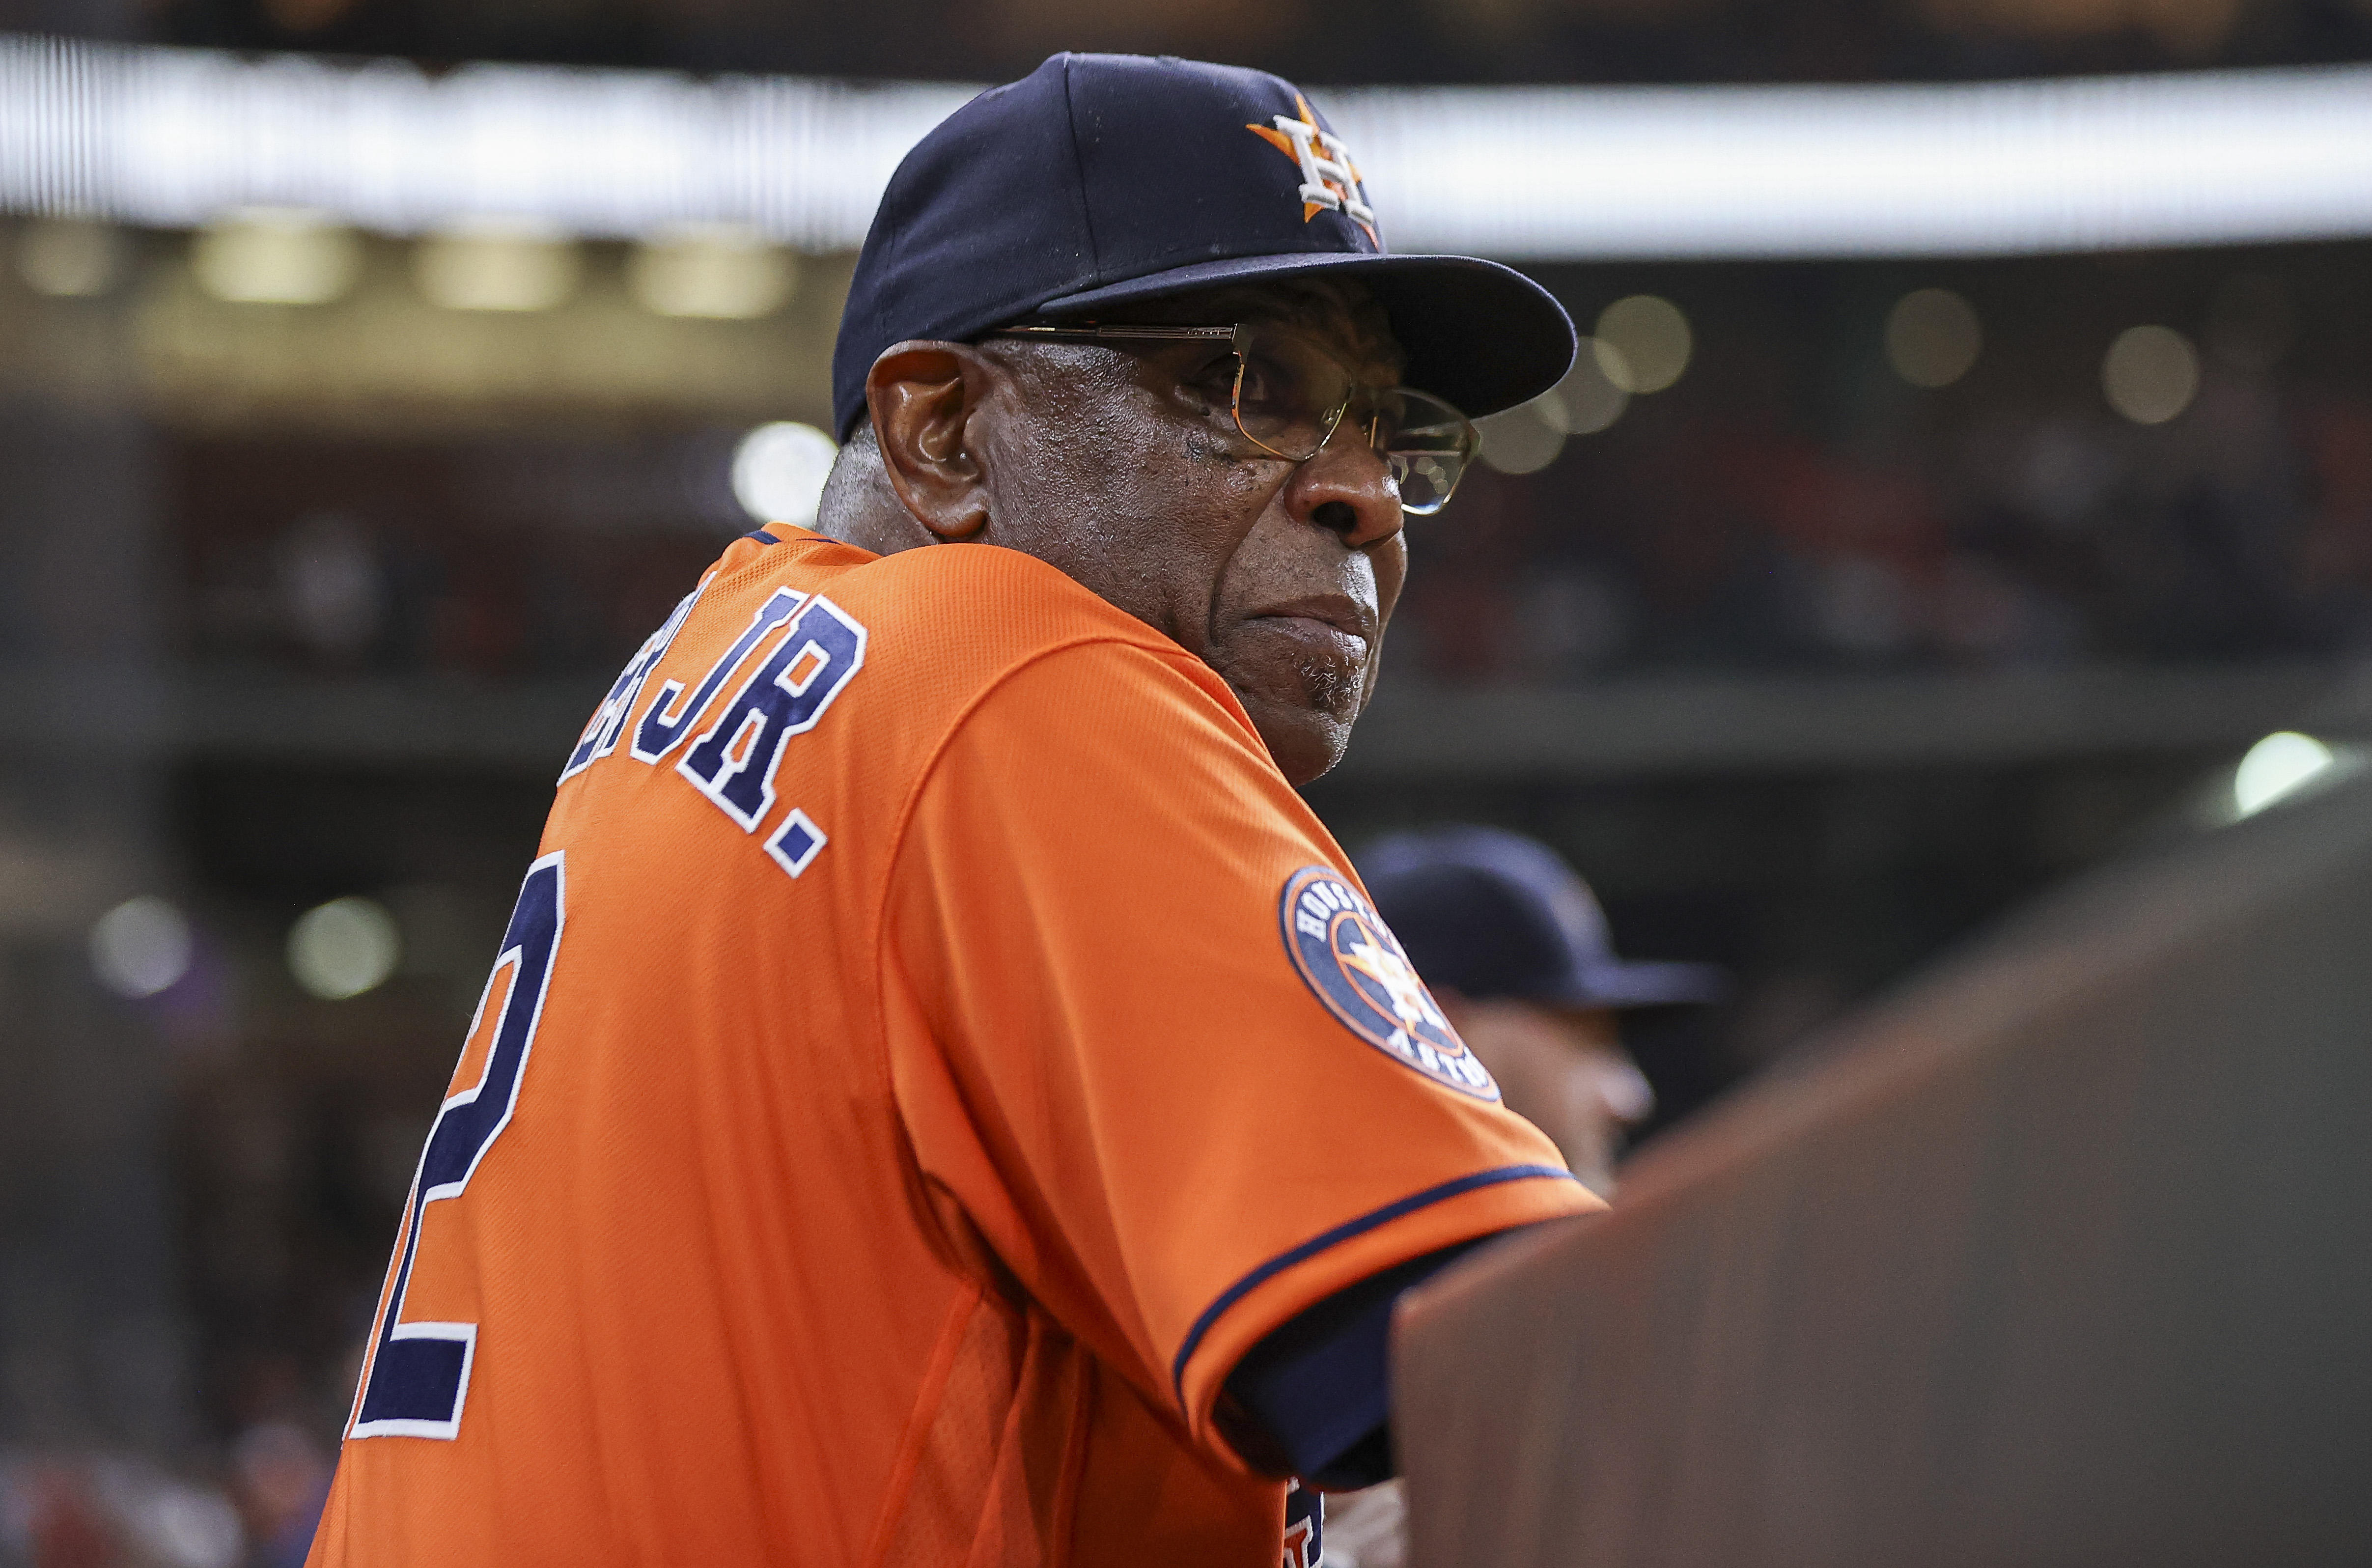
<point x="1285" y="395"/>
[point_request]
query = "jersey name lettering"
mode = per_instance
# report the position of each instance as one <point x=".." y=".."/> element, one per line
<point x="664" y="726"/>
<point x="733" y="762"/>
<point x="600" y="736"/>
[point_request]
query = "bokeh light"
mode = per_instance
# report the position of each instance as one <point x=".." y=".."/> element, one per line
<point x="141" y="946"/>
<point x="1525" y="439"/>
<point x="719" y="271"/>
<point x="1592" y="396"/>
<point x="779" y="472"/>
<point x="495" y="265"/>
<point x="1933" y="337"/>
<point x="331" y="590"/>
<point x="2276" y="767"/>
<point x="1650" y="343"/>
<point x="344" y="947"/>
<point x="276" y="256"/>
<point x="70" y="258"/>
<point x="2150" y="374"/>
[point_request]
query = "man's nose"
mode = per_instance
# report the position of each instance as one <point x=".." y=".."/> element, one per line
<point x="1625" y="1090"/>
<point x="1347" y="489"/>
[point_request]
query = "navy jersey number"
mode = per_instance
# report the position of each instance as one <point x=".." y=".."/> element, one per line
<point x="419" y="1373"/>
<point x="1305" y="1524"/>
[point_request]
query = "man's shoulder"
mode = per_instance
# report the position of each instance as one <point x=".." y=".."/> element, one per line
<point x="946" y="636"/>
<point x="983" y="609"/>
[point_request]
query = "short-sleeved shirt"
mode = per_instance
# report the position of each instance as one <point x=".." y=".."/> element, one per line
<point x="933" y="1044"/>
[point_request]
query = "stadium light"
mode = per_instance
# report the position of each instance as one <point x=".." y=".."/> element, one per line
<point x="141" y="946"/>
<point x="779" y="472"/>
<point x="342" y="949"/>
<point x="179" y="138"/>
<point x="2277" y="768"/>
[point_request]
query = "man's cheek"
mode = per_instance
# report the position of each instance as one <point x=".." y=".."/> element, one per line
<point x="1389" y="563"/>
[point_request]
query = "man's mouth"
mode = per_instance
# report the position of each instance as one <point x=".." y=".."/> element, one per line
<point x="1325" y="618"/>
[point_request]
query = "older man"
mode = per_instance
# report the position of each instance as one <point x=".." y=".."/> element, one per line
<point x="943" y="1098"/>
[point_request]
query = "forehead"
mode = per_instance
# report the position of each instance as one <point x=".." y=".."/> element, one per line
<point x="1341" y="312"/>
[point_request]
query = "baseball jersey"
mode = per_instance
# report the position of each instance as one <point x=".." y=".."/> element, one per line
<point x="931" y="1046"/>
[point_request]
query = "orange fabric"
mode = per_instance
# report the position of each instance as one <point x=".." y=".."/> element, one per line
<point x="910" y="1209"/>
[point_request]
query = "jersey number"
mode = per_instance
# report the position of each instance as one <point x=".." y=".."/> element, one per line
<point x="419" y="1373"/>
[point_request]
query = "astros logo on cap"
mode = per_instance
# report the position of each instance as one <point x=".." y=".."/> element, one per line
<point x="1329" y="181"/>
<point x="1358" y="969"/>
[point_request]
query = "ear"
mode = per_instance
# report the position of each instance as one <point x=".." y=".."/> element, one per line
<point x="924" y="397"/>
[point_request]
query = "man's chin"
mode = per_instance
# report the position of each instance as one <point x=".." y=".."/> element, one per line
<point x="1304" y="742"/>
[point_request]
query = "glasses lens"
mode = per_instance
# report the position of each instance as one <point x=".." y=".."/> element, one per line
<point x="1290" y="393"/>
<point x="1427" y="445"/>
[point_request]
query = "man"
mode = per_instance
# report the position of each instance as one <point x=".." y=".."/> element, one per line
<point x="943" y="1098"/>
<point x="1519" y="957"/>
<point x="1517" y="952"/>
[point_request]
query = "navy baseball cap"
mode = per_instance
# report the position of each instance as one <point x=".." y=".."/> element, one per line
<point x="1493" y="914"/>
<point x="1101" y="179"/>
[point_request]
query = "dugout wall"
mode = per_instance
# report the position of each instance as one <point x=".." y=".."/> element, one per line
<point x="2063" y="1256"/>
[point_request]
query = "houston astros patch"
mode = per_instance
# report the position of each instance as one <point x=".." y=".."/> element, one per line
<point x="1355" y="965"/>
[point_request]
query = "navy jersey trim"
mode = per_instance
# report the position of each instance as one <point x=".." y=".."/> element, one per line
<point x="761" y="535"/>
<point x="1335" y="1238"/>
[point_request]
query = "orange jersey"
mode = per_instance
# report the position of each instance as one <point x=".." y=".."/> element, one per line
<point x="933" y="1044"/>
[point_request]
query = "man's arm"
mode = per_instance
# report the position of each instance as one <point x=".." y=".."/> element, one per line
<point x="1313" y="1398"/>
<point x="1141" y="1098"/>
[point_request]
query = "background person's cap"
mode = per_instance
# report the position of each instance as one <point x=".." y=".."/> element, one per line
<point x="1493" y="914"/>
<point x="1099" y="180"/>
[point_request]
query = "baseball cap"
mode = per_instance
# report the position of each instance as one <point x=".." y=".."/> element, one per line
<point x="1494" y="914"/>
<point x="1101" y="179"/>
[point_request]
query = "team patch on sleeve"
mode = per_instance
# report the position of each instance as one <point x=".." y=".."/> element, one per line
<point x="1357" y="969"/>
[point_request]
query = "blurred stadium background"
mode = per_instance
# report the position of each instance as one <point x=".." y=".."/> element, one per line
<point x="1962" y="479"/>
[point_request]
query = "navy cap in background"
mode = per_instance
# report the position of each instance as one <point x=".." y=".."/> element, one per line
<point x="1493" y="914"/>
<point x="1101" y="179"/>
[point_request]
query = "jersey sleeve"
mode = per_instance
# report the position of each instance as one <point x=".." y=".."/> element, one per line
<point x="1151" y="1044"/>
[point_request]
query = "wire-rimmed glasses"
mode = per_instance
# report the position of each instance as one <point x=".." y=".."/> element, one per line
<point x="1287" y="395"/>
